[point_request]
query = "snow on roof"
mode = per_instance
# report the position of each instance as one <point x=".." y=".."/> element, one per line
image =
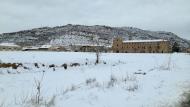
<point x="109" y="46"/>
<point x="31" y="47"/>
<point x="156" y="40"/>
<point x="9" y="44"/>
<point x="46" y="46"/>
<point x="87" y="45"/>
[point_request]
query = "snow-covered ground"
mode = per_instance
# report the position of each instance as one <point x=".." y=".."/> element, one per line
<point x="122" y="80"/>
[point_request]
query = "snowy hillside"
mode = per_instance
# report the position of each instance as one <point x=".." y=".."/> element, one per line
<point x="120" y="80"/>
<point x="80" y="34"/>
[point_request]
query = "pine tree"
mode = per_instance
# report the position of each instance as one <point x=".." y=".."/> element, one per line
<point x="175" y="47"/>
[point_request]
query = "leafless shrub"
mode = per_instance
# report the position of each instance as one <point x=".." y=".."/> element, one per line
<point x="97" y="49"/>
<point x="142" y="73"/>
<point x="2" y="104"/>
<point x="73" y="88"/>
<point x="112" y="81"/>
<point x="167" y="65"/>
<point x="51" y="66"/>
<point x="129" y="78"/>
<point x="38" y="85"/>
<point x="25" y="67"/>
<point x="19" y="65"/>
<point x="132" y="87"/>
<point x="43" y="65"/>
<point x="9" y="72"/>
<point x="36" y="65"/>
<point x="186" y="101"/>
<point x="65" y="66"/>
<point x="51" y="102"/>
<point x="86" y="63"/>
<point x="97" y="57"/>
<point x="74" y="64"/>
<point x="104" y="62"/>
<point x="90" y="81"/>
<point x="22" y="100"/>
<point x="53" y="69"/>
<point x="63" y="92"/>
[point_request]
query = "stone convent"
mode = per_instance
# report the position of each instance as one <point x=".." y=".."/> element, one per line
<point x="141" y="46"/>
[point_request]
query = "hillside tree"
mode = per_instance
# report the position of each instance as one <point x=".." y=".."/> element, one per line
<point x="175" y="47"/>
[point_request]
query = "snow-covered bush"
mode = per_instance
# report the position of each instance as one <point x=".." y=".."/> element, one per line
<point x="166" y="65"/>
<point x="132" y="87"/>
<point x="186" y="101"/>
<point x="65" y="66"/>
<point x="2" y="104"/>
<point x="73" y="88"/>
<point x="36" y="65"/>
<point x="38" y="85"/>
<point x="112" y="81"/>
<point x="90" y="81"/>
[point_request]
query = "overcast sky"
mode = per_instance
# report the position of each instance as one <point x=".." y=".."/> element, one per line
<point x="156" y="15"/>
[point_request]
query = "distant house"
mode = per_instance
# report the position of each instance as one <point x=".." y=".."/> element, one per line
<point x="141" y="46"/>
<point x="57" y="48"/>
<point x="30" y="48"/>
<point x="45" y="47"/>
<point x="9" y="47"/>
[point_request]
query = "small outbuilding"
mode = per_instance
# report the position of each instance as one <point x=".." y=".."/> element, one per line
<point x="45" y="47"/>
<point x="30" y="48"/>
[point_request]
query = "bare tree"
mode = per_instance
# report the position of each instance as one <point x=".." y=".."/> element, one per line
<point x="97" y="49"/>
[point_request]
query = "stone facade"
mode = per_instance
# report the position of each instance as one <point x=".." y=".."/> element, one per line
<point x="57" y="48"/>
<point x="188" y="50"/>
<point x="141" y="46"/>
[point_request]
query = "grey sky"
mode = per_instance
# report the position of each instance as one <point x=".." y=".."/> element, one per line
<point x="165" y="15"/>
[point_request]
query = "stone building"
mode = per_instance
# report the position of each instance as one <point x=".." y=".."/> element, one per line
<point x="188" y="50"/>
<point x="141" y="46"/>
<point x="9" y="47"/>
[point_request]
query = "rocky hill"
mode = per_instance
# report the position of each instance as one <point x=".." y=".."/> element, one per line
<point x="80" y="34"/>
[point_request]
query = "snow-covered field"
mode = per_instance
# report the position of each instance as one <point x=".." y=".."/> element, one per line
<point x="120" y="80"/>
